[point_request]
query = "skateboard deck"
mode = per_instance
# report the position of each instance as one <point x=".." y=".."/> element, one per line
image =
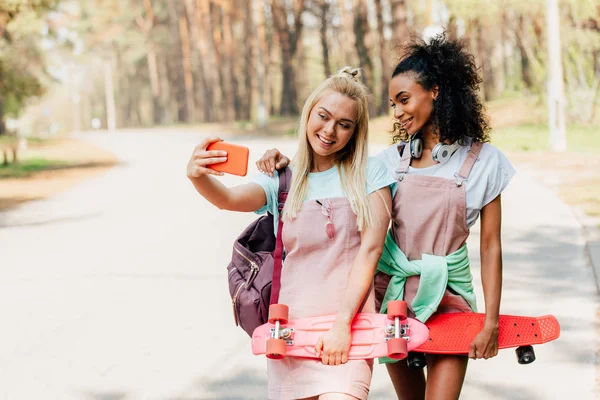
<point x="453" y="333"/>
<point x="369" y="336"/>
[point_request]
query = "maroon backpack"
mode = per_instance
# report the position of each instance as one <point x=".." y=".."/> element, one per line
<point x="255" y="268"/>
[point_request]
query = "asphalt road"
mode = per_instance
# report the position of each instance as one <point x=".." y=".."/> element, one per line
<point x="116" y="289"/>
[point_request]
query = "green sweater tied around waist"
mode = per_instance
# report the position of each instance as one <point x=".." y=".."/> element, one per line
<point x="437" y="272"/>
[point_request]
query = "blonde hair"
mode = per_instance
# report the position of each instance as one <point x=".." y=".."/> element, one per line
<point x="351" y="160"/>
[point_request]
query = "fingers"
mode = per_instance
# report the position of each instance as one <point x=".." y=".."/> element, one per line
<point x="269" y="162"/>
<point x="204" y="143"/>
<point x="271" y="166"/>
<point x="319" y="347"/>
<point x="197" y="171"/>
<point x="262" y="166"/>
<point x="202" y="161"/>
<point x="334" y="357"/>
<point x="283" y="162"/>
<point x="473" y="352"/>
<point x="202" y="153"/>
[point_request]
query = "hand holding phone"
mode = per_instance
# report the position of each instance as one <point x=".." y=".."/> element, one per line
<point x="214" y="157"/>
<point x="237" y="158"/>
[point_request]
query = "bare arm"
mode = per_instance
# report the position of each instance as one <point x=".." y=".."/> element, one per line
<point x="334" y="345"/>
<point x="485" y="344"/>
<point x="248" y="197"/>
<point x="491" y="260"/>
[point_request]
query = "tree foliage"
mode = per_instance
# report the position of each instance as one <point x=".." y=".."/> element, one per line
<point x="152" y="62"/>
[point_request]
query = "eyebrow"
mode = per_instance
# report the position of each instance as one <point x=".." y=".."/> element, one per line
<point x="343" y="119"/>
<point x="399" y="93"/>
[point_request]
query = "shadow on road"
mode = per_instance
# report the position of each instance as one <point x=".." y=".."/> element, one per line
<point x="246" y="384"/>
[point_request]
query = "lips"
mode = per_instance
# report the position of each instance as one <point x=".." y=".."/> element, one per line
<point x="404" y="124"/>
<point x="325" y="141"/>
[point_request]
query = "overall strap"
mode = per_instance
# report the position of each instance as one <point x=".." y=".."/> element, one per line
<point x="467" y="166"/>
<point x="285" y="178"/>
<point x="404" y="152"/>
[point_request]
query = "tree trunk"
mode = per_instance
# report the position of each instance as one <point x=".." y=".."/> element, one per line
<point x="361" y="30"/>
<point x="487" y="40"/>
<point x="233" y="95"/>
<point x="452" y="28"/>
<point x="384" y="55"/>
<point x="347" y="33"/>
<point x="503" y="42"/>
<point x="199" y="19"/>
<point x="2" y="125"/>
<point x="154" y="83"/>
<point x="186" y="61"/>
<point x="110" y="96"/>
<point x="483" y="61"/>
<point x="522" y="44"/>
<point x="216" y="26"/>
<point x="180" y="65"/>
<point x="169" y="108"/>
<point x="324" y="9"/>
<point x="399" y="22"/>
<point x="122" y="79"/>
<point x="250" y="70"/>
<point x="262" y="63"/>
<point x="288" y="41"/>
<point x="146" y="24"/>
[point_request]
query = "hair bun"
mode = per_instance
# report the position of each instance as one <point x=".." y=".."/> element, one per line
<point x="352" y="73"/>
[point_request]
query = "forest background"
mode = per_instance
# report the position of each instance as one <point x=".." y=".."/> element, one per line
<point x="68" y="66"/>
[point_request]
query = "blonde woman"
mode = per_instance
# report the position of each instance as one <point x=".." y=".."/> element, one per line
<point x="335" y="221"/>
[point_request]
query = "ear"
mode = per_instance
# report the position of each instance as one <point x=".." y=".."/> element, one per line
<point x="435" y="92"/>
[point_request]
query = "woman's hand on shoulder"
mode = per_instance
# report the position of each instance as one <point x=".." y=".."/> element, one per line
<point x="334" y="345"/>
<point x="201" y="158"/>
<point x="272" y="160"/>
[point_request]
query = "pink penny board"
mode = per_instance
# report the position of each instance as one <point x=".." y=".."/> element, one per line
<point x="368" y="335"/>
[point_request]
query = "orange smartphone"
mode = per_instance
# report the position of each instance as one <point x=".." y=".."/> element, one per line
<point x="237" y="158"/>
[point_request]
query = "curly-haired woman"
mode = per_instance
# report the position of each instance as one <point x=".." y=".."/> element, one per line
<point x="448" y="177"/>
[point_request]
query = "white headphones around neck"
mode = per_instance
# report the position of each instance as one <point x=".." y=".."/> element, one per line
<point x="441" y="152"/>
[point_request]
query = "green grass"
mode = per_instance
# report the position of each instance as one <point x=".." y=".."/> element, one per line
<point x="535" y="137"/>
<point x="28" y="167"/>
<point x="7" y="140"/>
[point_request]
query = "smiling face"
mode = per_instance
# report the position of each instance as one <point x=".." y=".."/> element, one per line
<point x="331" y="125"/>
<point x="412" y="104"/>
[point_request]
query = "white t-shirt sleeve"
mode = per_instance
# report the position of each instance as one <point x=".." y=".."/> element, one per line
<point x="489" y="177"/>
<point x="391" y="160"/>
<point x="500" y="173"/>
<point x="379" y="176"/>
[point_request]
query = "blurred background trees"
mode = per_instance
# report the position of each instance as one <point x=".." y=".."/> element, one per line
<point x="131" y="63"/>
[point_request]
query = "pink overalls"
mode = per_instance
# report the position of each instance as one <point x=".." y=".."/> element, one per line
<point x="429" y="217"/>
<point x="313" y="281"/>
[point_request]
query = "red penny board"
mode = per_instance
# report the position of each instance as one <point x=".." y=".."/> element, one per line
<point x="453" y="333"/>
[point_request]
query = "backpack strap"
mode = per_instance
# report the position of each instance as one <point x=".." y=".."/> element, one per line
<point x="285" y="178"/>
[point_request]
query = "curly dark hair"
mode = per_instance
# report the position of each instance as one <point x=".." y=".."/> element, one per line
<point x="458" y="112"/>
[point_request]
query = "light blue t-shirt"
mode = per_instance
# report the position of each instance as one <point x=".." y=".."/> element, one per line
<point x="326" y="184"/>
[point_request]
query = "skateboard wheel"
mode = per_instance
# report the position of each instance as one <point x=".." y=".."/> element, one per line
<point x="416" y="360"/>
<point x="278" y="312"/>
<point x="397" y="349"/>
<point x="525" y="354"/>
<point x="276" y="349"/>
<point x="397" y="308"/>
